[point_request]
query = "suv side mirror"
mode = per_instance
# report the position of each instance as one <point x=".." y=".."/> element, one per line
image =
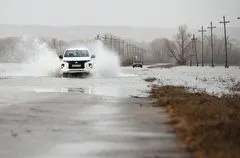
<point x="93" y="56"/>
<point x="60" y="56"/>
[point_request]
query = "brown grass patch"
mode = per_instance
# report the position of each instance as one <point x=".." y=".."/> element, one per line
<point x="209" y="125"/>
<point x="236" y="87"/>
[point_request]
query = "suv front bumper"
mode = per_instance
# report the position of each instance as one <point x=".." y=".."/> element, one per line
<point x="72" y="71"/>
<point x="65" y="68"/>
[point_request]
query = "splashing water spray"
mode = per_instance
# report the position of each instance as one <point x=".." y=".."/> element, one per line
<point x="106" y="63"/>
<point x="32" y="57"/>
<point x="35" y="58"/>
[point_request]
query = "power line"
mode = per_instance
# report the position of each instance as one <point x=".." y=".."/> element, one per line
<point x="202" y="31"/>
<point x="121" y="46"/>
<point x="211" y="28"/>
<point x="224" y="22"/>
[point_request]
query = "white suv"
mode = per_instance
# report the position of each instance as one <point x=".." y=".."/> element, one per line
<point x="76" y="60"/>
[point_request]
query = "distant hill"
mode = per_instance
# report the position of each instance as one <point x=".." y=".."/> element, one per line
<point x="86" y="32"/>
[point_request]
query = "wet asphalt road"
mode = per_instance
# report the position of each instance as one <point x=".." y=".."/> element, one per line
<point x="92" y="117"/>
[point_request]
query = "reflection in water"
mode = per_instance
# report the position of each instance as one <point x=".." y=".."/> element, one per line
<point x="81" y="90"/>
<point x="77" y="75"/>
<point x="96" y="90"/>
<point x="105" y="90"/>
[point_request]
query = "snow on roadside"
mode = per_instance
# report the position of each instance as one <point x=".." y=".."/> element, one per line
<point x="216" y="80"/>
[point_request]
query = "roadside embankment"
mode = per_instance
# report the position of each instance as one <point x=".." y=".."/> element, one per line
<point x="209" y="125"/>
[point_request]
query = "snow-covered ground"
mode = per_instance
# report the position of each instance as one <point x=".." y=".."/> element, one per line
<point x="215" y="80"/>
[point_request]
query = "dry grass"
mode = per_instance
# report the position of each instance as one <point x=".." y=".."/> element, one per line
<point x="209" y="125"/>
<point x="236" y="87"/>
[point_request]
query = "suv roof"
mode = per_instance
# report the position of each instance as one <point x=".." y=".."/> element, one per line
<point x="77" y="49"/>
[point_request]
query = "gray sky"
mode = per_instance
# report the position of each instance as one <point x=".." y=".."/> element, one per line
<point x="140" y="13"/>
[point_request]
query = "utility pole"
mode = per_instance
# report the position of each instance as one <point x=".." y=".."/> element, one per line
<point x="202" y="31"/>
<point x="224" y="22"/>
<point x="211" y="28"/>
<point x="194" y="39"/>
<point x="191" y="53"/>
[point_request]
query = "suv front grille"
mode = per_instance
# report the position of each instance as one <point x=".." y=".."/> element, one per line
<point x="76" y="64"/>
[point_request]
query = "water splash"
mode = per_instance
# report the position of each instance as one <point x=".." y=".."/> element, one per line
<point x="34" y="58"/>
<point x="106" y="63"/>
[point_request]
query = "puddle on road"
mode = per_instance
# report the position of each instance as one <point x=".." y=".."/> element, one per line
<point x="108" y="91"/>
<point x="95" y="90"/>
<point x="90" y="149"/>
<point x="75" y="90"/>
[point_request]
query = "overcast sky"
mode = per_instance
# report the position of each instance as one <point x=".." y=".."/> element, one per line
<point x="140" y="13"/>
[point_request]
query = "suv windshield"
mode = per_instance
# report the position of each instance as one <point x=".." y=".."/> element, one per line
<point x="76" y="53"/>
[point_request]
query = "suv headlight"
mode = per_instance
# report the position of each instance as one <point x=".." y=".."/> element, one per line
<point x="90" y="65"/>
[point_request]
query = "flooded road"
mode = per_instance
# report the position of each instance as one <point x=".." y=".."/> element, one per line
<point x="89" y="117"/>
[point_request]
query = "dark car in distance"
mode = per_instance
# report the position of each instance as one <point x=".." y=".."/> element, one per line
<point x="137" y="64"/>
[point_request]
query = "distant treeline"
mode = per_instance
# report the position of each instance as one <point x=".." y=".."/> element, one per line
<point x="13" y="49"/>
<point x="181" y="49"/>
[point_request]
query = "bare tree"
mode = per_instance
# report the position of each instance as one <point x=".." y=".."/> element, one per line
<point x="219" y="53"/>
<point x="157" y="48"/>
<point x="54" y="44"/>
<point x="179" y="49"/>
<point x="57" y="45"/>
